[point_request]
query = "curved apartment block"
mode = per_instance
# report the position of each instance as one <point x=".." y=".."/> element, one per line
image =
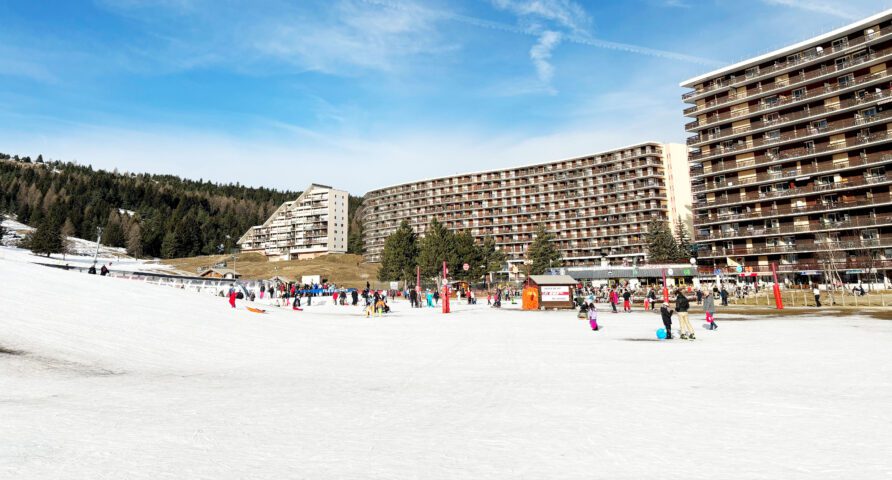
<point x="790" y="153"/>
<point x="598" y="206"/>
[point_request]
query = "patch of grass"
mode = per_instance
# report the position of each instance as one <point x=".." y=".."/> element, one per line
<point x="343" y="269"/>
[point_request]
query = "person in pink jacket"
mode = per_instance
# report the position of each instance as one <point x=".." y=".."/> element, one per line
<point x="593" y="317"/>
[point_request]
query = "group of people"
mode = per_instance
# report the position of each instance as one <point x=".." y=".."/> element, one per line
<point x="589" y="310"/>
<point x="102" y="271"/>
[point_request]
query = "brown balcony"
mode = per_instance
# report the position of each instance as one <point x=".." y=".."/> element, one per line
<point x="767" y="212"/>
<point x="811" y="227"/>
<point x="787" y="119"/>
<point x="800" y="247"/>
<point x="784" y="101"/>
<point x="753" y="196"/>
<point x="783" y="65"/>
<point x="793" y="81"/>
<point x="809" y="131"/>
<point x="794" y="172"/>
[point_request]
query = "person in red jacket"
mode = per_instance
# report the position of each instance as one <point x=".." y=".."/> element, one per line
<point x="232" y="295"/>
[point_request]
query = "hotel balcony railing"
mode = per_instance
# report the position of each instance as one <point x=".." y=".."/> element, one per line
<point x="812" y="227"/>
<point x="785" y="101"/>
<point x="769" y="211"/>
<point x="798" y="247"/>
<point x="783" y="65"/>
<point x="793" y="82"/>
<point x="802" y="153"/>
<point x="810" y="131"/>
<point x="789" y="119"/>
<point x="812" y="189"/>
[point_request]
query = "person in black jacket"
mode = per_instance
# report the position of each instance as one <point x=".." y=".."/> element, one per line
<point x="92" y="270"/>
<point x="686" y="331"/>
<point x="666" y="313"/>
<point x="103" y="271"/>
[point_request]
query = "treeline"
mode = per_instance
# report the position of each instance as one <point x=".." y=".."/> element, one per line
<point x="150" y="215"/>
<point x="404" y="251"/>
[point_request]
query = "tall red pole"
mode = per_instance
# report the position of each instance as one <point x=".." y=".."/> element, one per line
<point x="665" y="288"/>
<point x="778" y="301"/>
<point x="445" y="289"/>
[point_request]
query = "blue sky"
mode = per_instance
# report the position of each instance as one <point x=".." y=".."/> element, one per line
<point x="362" y="94"/>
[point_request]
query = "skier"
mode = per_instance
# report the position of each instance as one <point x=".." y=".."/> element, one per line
<point x="699" y="297"/>
<point x="684" y="325"/>
<point x="92" y="269"/>
<point x="709" y="308"/>
<point x="354" y="297"/>
<point x="614" y="299"/>
<point x="652" y="296"/>
<point x="627" y="301"/>
<point x="666" y="313"/>
<point x="413" y="298"/>
<point x="232" y="296"/>
<point x="724" y="294"/>
<point x="593" y="317"/>
<point x="436" y="297"/>
<point x="103" y="271"/>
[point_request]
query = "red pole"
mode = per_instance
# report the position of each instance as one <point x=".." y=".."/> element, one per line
<point x="778" y="301"/>
<point x="418" y="280"/>
<point x="665" y="288"/>
<point x="445" y="289"/>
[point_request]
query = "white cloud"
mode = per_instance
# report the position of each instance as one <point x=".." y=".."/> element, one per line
<point x="565" y="13"/>
<point x="541" y="53"/>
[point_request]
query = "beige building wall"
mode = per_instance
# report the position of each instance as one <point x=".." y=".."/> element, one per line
<point x="678" y="183"/>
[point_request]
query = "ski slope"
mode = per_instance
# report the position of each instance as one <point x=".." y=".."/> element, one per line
<point x="108" y="378"/>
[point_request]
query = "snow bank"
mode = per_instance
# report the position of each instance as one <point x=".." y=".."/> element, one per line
<point x="108" y="378"/>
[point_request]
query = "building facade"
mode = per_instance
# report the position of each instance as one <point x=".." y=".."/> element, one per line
<point x="598" y="206"/>
<point x="790" y="152"/>
<point x="314" y="224"/>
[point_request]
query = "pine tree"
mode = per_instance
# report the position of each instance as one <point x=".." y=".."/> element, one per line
<point x="542" y="254"/>
<point x="170" y="246"/>
<point x="134" y="241"/>
<point x="491" y="259"/>
<point x="68" y="229"/>
<point x="436" y="246"/>
<point x="47" y="238"/>
<point x="686" y="247"/>
<point x="661" y="244"/>
<point x="400" y="255"/>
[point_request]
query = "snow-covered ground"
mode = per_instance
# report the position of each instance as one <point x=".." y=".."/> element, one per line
<point x="109" y="378"/>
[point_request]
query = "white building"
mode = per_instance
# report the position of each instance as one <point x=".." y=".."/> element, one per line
<point x="315" y="224"/>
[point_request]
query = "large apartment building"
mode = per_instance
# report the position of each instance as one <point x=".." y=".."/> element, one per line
<point x="598" y="206"/>
<point x="790" y="155"/>
<point x="314" y="224"/>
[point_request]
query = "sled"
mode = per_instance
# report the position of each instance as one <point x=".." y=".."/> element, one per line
<point x="256" y="310"/>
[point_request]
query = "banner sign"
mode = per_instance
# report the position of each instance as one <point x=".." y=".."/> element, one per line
<point x="555" y="294"/>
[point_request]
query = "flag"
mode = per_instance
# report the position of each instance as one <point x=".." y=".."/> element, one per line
<point x="732" y="263"/>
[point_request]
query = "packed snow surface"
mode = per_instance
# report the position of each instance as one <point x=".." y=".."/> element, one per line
<point x="110" y="378"/>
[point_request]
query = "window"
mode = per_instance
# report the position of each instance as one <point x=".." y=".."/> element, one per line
<point x="870" y="234"/>
<point x="794" y="58"/>
<point x="772" y="153"/>
<point x="769" y="102"/>
<point x="868" y="114"/>
<point x="772" y="136"/>
<point x="772" y="223"/>
<point x="810" y="146"/>
<point x="840" y="43"/>
<point x="799" y="93"/>
<point x="825" y="180"/>
<point x="729" y="245"/>
<point x="819" y="125"/>
<point x="830" y="199"/>
<point x="842" y="63"/>
<point x="752" y="72"/>
<point x="846" y="81"/>
<point x="719" y="180"/>
<point x="771" y="118"/>
<point x="860" y="56"/>
<point x="764" y="190"/>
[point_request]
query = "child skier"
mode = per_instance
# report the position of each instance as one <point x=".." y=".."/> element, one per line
<point x="593" y="317"/>
<point x="709" y="308"/>
<point x="666" y="313"/>
<point x="232" y="296"/>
